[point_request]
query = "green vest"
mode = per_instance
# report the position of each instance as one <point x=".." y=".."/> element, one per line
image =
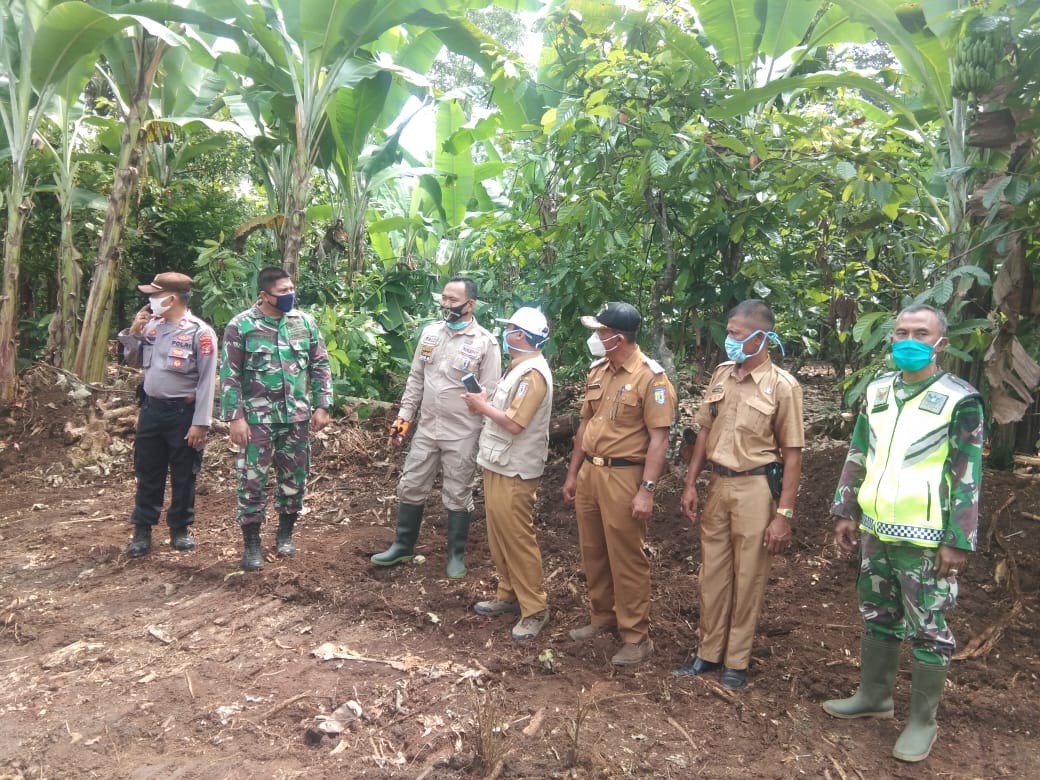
<point x="905" y="491"/>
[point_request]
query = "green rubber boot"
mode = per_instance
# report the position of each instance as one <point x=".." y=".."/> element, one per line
<point x="915" y="743"/>
<point x="252" y="555"/>
<point x="458" y="533"/>
<point x="879" y="662"/>
<point x="409" y="518"/>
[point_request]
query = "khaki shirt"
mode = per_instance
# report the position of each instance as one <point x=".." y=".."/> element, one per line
<point x="749" y="422"/>
<point x="530" y="390"/>
<point x="623" y="404"/>
<point x="434" y="385"/>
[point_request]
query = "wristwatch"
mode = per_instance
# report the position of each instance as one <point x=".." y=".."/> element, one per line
<point x="650" y="486"/>
<point x="788" y="513"/>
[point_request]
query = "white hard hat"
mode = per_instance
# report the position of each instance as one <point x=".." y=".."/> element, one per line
<point x="530" y="319"/>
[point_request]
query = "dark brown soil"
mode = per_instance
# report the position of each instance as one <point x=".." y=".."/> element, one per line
<point x="178" y="665"/>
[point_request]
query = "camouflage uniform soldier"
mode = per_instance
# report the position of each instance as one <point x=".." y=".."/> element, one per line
<point x="911" y="482"/>
<point x="274" y="378"/>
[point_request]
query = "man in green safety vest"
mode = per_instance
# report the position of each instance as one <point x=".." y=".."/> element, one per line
<point x="911" y="484"/>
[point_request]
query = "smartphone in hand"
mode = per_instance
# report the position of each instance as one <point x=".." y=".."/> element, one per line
<point x="471" y="384"/>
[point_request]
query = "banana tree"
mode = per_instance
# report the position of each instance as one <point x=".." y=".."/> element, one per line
<point x="133" y="65"/>
<point x="301" y="58"/>
<point x="69" y="120"/>
<point x="40" y="42"/>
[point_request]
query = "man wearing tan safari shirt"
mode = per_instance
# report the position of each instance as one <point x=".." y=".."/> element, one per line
<point x="619" y="453"/>
<point x="752" y="436"/>
<point x="446" y="438"/>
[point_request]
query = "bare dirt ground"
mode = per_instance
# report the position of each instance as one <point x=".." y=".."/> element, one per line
<point x="178" y="665"/>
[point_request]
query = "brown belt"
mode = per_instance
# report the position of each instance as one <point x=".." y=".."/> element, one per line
<point x="597" y="461"/>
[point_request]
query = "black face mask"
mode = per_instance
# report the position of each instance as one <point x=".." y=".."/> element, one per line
<point x="453" y="313"/>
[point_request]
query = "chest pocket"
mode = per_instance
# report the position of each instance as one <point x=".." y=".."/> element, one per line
<point x="467" y="360"/>
<point x="180" y="357"/>
<point x="259" y="353"/>
<point x="755" y="415"/>
<point x="301" y="348"/>
<point x="594" y="395"/>
<point x="629" y="407"/>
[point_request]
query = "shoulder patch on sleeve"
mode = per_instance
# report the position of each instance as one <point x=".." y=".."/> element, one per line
<point x="656" y="367"/>
<point x="206" y="344"/>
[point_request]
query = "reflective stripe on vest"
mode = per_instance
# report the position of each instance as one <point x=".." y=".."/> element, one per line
<point x="903" y="494"/>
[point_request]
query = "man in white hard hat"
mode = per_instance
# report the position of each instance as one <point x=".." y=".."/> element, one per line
<point x="512" y="450"/>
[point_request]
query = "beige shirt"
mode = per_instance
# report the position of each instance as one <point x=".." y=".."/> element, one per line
<point x="623" y="404"/>
<point x="525" y="395"/>
<point x="434" y="385"/>
<point x="750" y="421"/>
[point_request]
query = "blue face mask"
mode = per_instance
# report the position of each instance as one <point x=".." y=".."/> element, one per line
<point x="735" y="349"/>
<point x="285" y="302"/>
<point x="910" y="355"/>
<point x="506" y="346"/>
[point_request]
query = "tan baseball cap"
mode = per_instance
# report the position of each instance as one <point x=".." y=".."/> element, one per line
<point x="169" y="282"/>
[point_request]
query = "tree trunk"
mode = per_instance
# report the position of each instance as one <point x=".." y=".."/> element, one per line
<point x="92" y="351"/>
<point x="295" y="203"/>
<point x="61" y="334"/>
<point x="664" y="287"/>
<point x="18" y="208"/>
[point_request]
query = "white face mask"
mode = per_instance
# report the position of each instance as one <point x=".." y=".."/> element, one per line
<point x="596" y="346"/>
<point x="158" y="307"/>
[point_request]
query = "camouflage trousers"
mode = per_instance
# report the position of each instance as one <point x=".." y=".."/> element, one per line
<point x="288" y="446"/>
<point x="900" y="597"/>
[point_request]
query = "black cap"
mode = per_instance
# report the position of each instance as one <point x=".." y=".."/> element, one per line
<point x="616" y="315"/>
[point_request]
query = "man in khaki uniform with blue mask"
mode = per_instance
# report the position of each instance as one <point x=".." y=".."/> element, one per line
<point x="751" y="436"/>
<point x="619" y="453"/>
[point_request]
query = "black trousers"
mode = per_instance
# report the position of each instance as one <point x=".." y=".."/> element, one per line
<point x="159" y="448"/>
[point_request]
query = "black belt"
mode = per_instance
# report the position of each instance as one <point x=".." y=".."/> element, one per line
<point x="722" y="471"/>
<point x="597" y="461"/>
<point x="185" y="401"/>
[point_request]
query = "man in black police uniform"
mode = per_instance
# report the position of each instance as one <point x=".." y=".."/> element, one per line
<point x="178" y="352"/>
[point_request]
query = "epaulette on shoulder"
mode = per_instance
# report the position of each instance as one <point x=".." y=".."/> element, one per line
<point x="656" y="367"/>
<point x="963" y="384"/>
<point x="787" y="376"/>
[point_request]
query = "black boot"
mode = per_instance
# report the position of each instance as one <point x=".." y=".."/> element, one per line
<point x="181" y="539"/>
<point x="458" y="533"/>
<point x="253" y="557"/>
<point x="409" y="519"/>
<point x="141" y="544"/>
<point x="283" y="541"/>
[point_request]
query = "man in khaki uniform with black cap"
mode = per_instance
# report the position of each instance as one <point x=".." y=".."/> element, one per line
<point x="619" y="453"/>
<point x="178" y="352"/>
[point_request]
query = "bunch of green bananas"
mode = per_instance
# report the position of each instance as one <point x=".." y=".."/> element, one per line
<point x="975" y="64"/>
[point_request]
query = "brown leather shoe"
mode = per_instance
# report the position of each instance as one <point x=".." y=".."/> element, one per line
<point x="633" y="653"/>
<point x="586" y="633"/>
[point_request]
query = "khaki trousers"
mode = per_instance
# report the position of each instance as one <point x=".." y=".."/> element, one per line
<point x="616" y="566"/>
<point x="509" y="505"/>
<point x="457" y="461"/>
<point x="735" y="567"/>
